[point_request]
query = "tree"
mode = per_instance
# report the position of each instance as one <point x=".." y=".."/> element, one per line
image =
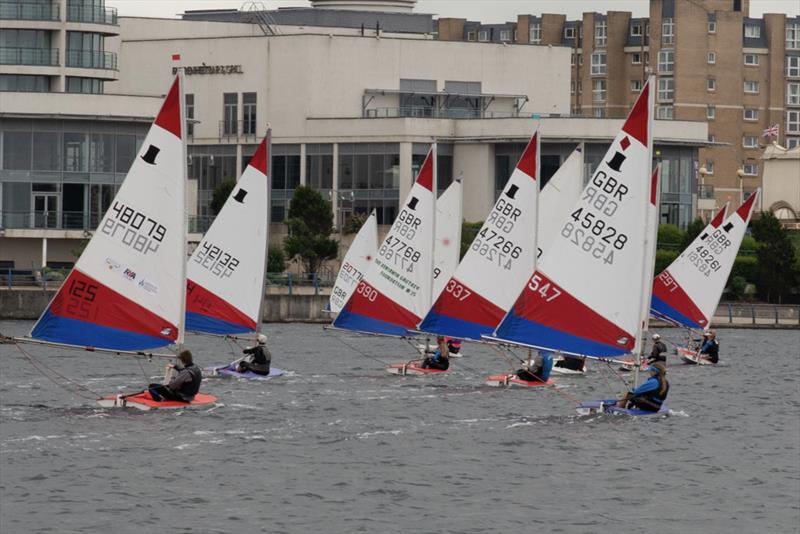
<point x="221" y="194"/>
<point x="777" y="274"/>
<point x="468" y="233"/>
<point x="354" y="223"/>
<point x="276" y="260"/>
<point x="669" y="237"/>
<point x="692" y="231"/>
<point x="310" y="225"/>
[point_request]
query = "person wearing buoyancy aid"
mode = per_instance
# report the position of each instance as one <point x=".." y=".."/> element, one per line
<point x="440" y="359"/>
<point x="651" y="394"/>
<point x="539" y="368"/>
<point x="658" y="352"/>
<point x="573" y="363"/>
<point x="259" y="359"/>
<point x="184" y="386"/>
<point x="710" y="349"/>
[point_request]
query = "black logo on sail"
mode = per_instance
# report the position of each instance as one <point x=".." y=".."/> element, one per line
<point x="412" y="205"/>
<point x="512" y="191"/>
<point x="150" y="155"/>
<point x="239" y="197"/>
<point x="728" y="227"/>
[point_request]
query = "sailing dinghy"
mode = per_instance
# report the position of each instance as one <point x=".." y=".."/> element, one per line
<point x="590" y="292"/>
<point x="226" y="273"/>
<point x="396" y="289"/>
<point x="126" y="292"/>
<point x="688" y="292"/>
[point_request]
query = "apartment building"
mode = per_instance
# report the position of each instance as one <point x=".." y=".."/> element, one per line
<point x="713" y="63"/>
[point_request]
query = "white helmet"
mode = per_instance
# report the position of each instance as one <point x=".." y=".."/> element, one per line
<point x="262" y="339"/>
<point x="656" y="337"/>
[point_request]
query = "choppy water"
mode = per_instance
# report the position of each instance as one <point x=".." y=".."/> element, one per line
<point x="339" y="446"/>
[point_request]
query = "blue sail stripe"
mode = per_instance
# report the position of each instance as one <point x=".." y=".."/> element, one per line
<point x="197" y="322"/>
<point x="81" y="333"/>
<point x="662" y="308"/>
<point x="354" y="321"/>
<point x="444" y="325"/>
<point x="516" y="328"/>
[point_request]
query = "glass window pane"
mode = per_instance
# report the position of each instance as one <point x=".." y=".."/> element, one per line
<point x="17" y="150"/>
<point x="101" y="152"/>
<point x="126" y="151"/>
<point x="47" y="151"/>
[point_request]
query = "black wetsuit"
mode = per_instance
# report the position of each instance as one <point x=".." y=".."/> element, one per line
<point x="182" y="388"/>
<point x="573" y="364"/>
<point x="659" y="353"/>
<point x="436" y="361"/>
<point x="262" y="360"/>
<point x="710" y="350"/>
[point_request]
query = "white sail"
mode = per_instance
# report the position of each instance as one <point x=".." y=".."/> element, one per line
<point x="355" y="263"/>
<point x="226" y="271"/>
<point x="447" y="248"/>
<point x="126" y="291"/>
<point x="558" y="195"/>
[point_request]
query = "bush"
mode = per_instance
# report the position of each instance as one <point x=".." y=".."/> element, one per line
<point x="749" y="246"/>
<point x="221" y="194"/>
<point x="468" y="232"/>
<point x="276" y="260"/>
<point x="353" y="223"/>
<point x="669" y="237"/>
<point x="745" y="267"/>
<point x="663" y="259"/>
<point x="737" y="287"/>
<point x="692" y="231"/>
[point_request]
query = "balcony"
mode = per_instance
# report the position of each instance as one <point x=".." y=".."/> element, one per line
<point x="92" y="59"/>
<point x="49" y="220"/>
<point x="29" y="56"/>
<point x="445" y="113"/>
<point x="29" y="11"/>
<point x="92" y="15"/>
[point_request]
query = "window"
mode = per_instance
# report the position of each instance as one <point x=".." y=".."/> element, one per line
<point x="580" y="87"/>
<point x="712" y="26"/>
<point x="752" y="32"/>
<point x="793" y="66"/>
<point x="711" y="113"/>
<point x="647" y="58"/>
<point x="76" y="152"/>
<point x="373" y="168"/>
<point x="572" y="88"/>
<point x="505" y="35"/>
<point x="600" y="113"/>
<point x="600" y="33"/>
<point x="580" y="59"/>
<point x="793" y="121"/>
<point x="712" y="58"/>
<point x="750" y="114"/>
<point x="598" y="91"/>
<point x="77" y="84"/>
<point x="47" y="151"/>
<point x="793" y="36"/>
<point x="249" y="125"/>
<point x="230" y="113"/>
<point x="751" y="60"/>
<point x="750" y="86"/>
<point x="189" y="114"/>
<point x="666" y="89"/>
<point x="636" y="29"/>
<point x="417" y="98"/>
<point x="793" y="93"/>
<point x="319" y="166"/>
<point x="598" y="63"/>
<point x="636" y="86"/>
<point x="515" y="36"/>
<point x="712" y="138"/>
<point x="101" y="152"/>
<point x="24" y="83"/>
<point x="536" y="33"/>
<point x="667" y="32"/>
<point x="472" y="36"/>
<point x="572" y="60"/>
<point x="709" y="166"/>
<point x="666" y="61"/>
<point x="792" y="142"/>
<point x="749" y="141"/>
<point x="636" y="58"/>
<point x="569" y="32"/>
<point x="750" y="169"/>
<point x="711" y="84"/>
<point x="664" y="112"/>
<point x="483" y="36"/>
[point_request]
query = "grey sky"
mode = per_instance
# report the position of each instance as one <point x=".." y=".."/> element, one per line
<point x="487" y="11"/>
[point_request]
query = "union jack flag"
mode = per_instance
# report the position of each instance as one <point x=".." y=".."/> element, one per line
<point x="772" y="131"/>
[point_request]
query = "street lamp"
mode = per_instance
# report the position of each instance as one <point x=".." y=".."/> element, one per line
<point x="740" y="174"/>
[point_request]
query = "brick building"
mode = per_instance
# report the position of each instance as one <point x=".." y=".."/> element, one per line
<point x="713" y="62"/>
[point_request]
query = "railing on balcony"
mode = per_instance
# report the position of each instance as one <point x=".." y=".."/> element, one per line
<point x="49" y="220"/>
<point x="92" y="59"/>
<point x="238" y="129"/>
<point x="94" y="15"/>
<point x="29" y="56"/>
<point x="705" y="191"/>
<point x="445" y="113"/>
<point x="29" y="11"/>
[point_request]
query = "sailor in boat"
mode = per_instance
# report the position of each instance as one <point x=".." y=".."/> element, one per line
<point x="538" y="368"/>
<point x="573" y="363"/>
<point x="453" y="345"/>
<point x="184" y="386"/>
<point x="659" y="351"/>
<point x="258" y="358"/>
<point x="710" y="348"/>
<point x="651" y="394"/>
<point x="440" y="358"/>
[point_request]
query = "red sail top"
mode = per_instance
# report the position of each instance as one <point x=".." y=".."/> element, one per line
<point x="636" y="124"/>
<point x="259" y="159"/>
<point x="169" y="117"/>
<point x="425" y="175"/>
<point x="527" y="163"/>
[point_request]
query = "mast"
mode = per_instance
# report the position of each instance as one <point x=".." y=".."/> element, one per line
<point x="646" y="289"/>
<point x="262" y="296"/>
<point x="185" y="227"/>
<point x="435" y="188"/>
